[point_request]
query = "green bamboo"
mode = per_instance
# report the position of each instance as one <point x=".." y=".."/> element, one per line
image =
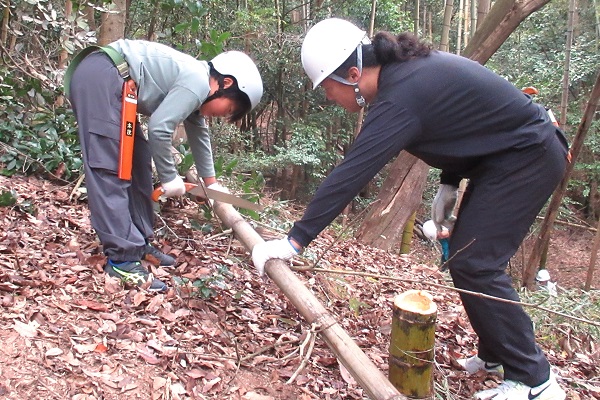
<point x="412" y="344"/>
<point x="407" y="234"/>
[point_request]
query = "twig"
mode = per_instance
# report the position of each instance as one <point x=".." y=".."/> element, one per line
<point x="478" y="294"/>
<point x="165" y="225"/>
<point x="283" y="232"/>
<point x="225" y="232"/>
<point x="444" y="266"/>
<point x="266" y="348"/>
<point x="18" y="65"/>
<point x="77" y="185"/>
<point x="572" y="224"/>
<point x="305" y="353"/>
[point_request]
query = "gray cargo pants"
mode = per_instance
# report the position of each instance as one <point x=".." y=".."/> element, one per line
<point x="503" y="198"/>
<point x="121" y="211"/>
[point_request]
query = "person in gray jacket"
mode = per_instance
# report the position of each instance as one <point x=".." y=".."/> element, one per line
<point x="172" y="87"/>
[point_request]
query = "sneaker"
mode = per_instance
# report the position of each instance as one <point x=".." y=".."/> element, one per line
<point x="134" y="272"/>
<point x="157" y="257"/>
<point x="513" y="390"/>
<point x="475" y="364"/>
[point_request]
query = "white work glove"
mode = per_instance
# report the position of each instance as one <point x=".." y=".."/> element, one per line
<point x="174" y="188"/>
<point x="264" y="251"/>
<point x="443" y="207"/>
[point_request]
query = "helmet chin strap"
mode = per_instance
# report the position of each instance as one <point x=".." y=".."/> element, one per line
<point x="360" y="100"/>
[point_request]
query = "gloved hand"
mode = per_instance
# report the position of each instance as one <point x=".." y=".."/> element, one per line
<point x="443" y="206"/>
<point x="174" y="188"/>
<point x="264" y="251"/>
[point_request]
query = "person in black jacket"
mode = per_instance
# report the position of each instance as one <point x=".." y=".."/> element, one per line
<point x="464" y="119"/>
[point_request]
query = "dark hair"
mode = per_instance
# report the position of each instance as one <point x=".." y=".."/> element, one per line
<point x="384" y="49"/>
<point x="241" y="101"/>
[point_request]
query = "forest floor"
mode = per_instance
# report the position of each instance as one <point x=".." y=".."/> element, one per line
<point x="69" y="332"/>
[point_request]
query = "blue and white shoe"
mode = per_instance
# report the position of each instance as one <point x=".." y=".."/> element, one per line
<point x="134" y="272"/>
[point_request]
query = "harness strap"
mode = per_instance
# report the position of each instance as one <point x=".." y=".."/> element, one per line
<point x="114" y="55"/>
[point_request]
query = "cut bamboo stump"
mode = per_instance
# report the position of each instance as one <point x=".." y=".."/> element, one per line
<point x="412" y="344"/>
<point x="362" y="369"/>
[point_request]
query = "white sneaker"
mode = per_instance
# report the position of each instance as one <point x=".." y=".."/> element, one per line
<point x="513" y="390"/>
<point x="475" y="364"/>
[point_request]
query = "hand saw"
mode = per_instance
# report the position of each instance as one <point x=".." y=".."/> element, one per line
<point x="204" y="192"/>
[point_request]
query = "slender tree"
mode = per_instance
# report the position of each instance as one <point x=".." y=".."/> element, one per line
<point x="483" y="7"/>
<point x="445" y="40"/>
<point x="567" y="66"/>
<point x="113" y="22"/>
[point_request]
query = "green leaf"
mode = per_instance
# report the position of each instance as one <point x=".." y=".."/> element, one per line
<point x="181" y="27"/>
<point x="8" y="198"/>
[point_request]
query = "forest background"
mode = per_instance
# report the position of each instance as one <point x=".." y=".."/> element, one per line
<point x="290" y="142"/>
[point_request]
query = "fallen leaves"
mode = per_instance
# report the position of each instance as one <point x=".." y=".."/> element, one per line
<point x="64" y="325"/>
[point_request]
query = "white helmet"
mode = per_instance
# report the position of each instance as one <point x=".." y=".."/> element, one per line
<point x="543" y="275"/>
<point x="327" y="45"/>
<point x="242" y="68"/>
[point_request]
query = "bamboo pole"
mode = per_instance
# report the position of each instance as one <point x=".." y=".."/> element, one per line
<point x="412" y="344"/>
<point x="368" y="376"/>
<point x="407" y="234"/>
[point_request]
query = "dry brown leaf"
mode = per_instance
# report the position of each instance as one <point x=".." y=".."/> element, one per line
<point x="92" y="305"/>
<point x="26" y="330"/>
<point x="256" y="396"/>
<point x="55" y="351"/>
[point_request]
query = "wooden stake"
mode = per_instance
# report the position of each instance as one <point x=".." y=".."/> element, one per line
<point x="412" y="344"/>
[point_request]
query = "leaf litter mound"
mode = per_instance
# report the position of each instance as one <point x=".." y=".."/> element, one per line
<point x="67" y="331"/>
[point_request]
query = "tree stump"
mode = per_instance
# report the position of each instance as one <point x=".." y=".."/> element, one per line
<point x="412" y="344"/>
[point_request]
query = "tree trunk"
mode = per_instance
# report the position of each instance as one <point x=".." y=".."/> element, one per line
<point x="399" y="197"/>
<point x="64" y="54"/>
<point x="5" y="24"/>
<point x="483" y="8"/>
<point x="445" y="39"/>
<point x="89" y="17"/>
<point x="564" y="100"/>
<point x="416" y="18"/>
<point x="504" y="17"/>
<point x="113" y="23"/>
<point x="552" y="211"/>
<point x="459" y="26"/>
<point x="473" y="25"/>
<point x="593" y="258"/>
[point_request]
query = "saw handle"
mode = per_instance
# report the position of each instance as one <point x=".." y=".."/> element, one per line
<point x="159" y="190"/>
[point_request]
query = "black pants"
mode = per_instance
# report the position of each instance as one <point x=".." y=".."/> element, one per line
<point x="121" y="211"/>
<point x="503" y="197"/>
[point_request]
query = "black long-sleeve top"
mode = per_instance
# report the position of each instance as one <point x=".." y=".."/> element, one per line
<point x="445" y="109"/>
